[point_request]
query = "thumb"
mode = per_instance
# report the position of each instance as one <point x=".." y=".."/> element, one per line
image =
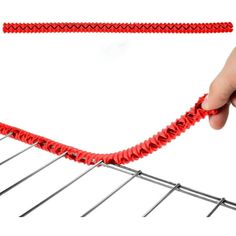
<point x="219" y="93"/>
<point x="223" y="86"/>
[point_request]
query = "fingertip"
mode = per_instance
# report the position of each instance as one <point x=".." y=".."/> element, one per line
<point x="218" y="121"/>
<point x="214" y="123"/>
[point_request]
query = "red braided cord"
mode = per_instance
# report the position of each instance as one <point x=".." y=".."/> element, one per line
<point x="118" y="27"/>
<point x="140" y="150"/>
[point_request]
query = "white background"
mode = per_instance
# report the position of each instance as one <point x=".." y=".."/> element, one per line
<point x="106" y="92"/>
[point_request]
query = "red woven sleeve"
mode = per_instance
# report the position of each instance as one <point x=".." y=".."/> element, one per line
<point x="118" y="27"/>
<point x="131" y="154"/>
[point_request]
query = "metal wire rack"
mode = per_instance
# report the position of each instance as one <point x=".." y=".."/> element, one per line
<point x="217" y="201"/>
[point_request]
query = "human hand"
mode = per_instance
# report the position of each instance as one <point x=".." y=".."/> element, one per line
<point x="222" y="93"/>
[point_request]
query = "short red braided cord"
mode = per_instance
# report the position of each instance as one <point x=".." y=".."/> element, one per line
<point x="152" y="144"/>
<point x="118" y="27"/>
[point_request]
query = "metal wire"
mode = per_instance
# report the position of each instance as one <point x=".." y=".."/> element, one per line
<point x="162" y="199"/>
<point x="31" y="175"/>
<point x="112" y="193"/>
<point x="168" y="184"/>
<point x="61" y="189"/>
<point x="216" y="207"/>
<point x="6" y="136"/>
<point x="134" y="173"/>
<point x="17" y="154"/>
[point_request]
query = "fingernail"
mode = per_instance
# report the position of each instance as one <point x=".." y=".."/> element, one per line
<point x="205" y="103"/>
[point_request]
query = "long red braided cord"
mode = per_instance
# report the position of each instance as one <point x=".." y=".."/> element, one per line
<point x="148" y="146"/>
<point x="118" y="27"/>
<point x="160" y="139"/>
